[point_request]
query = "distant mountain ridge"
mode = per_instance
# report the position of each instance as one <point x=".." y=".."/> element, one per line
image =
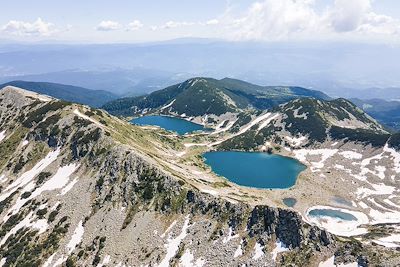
<point x="386" y="112"/>
<point x="93" y="98"/>
<point x="201" y="96"/>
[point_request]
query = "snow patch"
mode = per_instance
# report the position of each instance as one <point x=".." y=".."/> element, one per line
<point x="2" y="135"/>
<point x="350" y="155"/>
<point x="258" y="251"/>
<point x="238" y="251"/>
<point x="280" y="247"/>
<point x="59" y="180"/>
<point x="106" y="261"/>
<point x="173" y="244"/>
<point x="396" y="157"/>
<point x="392" y="241"/>
<point x="384" y="217"/>
<point x="167" y="106"/>
<point x="266" y="120"/>
<point x="188" y="258"/>
<point x="209" y="191"/>
<point x="229" y="237"/>
<point x="69" y="186"/>
<point x="331" y="263"/>
<point x="219" y="128"/>
<point x="379" y="189"/>
<point x="296" y="141"/>
<point x="76" y="238"/>
<point x="41" y="225"/>
<point x="28" y="176"/>
<point x="302" y="154"/>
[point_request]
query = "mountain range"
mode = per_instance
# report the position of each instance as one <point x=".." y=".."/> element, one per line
<point x="80" y="187"/>
<point x="94" y="98"/>
<point x="330" y="66"/>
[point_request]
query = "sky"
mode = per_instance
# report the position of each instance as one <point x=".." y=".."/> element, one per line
<point x="105" y="21"/>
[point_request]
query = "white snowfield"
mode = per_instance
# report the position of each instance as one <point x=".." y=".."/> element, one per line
<point x="167" y="106"/>
<point x="2" y="135"/>
<point x="41" y="225"/>
<point x="210" y="191"/>
<point x="28" y="176"/>
<point x="220" y="129"/>
<point x="377" y="197"/>
<point x="187" y="260"/>
<point x="330" y="263"/>
<point x="258" y="251"/>
<point x="76" y="238"/>
<point x="392" y="241"/>
<point x="316" y="166"/>
<point x="338" y="226"/>
<point x="296" y="141"/>
<point x="238" y="251"/>
<point x="279" y="247"/>
<point x="58" y="181"/>
<point x="351" y="155"/>
<point x="264" y="119"/>
<point x="230" y="236"/>
<point x="172" y="245"/>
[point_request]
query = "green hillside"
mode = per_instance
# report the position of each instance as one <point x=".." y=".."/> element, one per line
<point x="200" y="96"/>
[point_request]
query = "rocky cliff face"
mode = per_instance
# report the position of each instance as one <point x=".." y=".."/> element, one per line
<point x="82" y="188"/>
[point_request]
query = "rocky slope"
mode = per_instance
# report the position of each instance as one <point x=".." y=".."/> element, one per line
<point x="202" y="96"/>
<point x="306" y="121"/>
<point x="82" y="188"/>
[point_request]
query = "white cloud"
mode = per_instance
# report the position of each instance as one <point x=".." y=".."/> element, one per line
<point x="36" y="28"/>
<point x="135" y="25"/>
<point x="108" y="25"/>
<point x="300" y="19"/>
<point x="174" y="24"/>
<point x="212" y="22"/>
<point x="348" y="15"/>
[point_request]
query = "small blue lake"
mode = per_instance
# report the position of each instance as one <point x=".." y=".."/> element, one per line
<point x="255" y="169"/>
<point x="333" y="214"/>
<point x="290" y="202"/>
<point x="180" y="126"/>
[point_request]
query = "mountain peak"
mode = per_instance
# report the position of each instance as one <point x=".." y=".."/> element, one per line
<point x="202" y="96"/>
<point x="10" y="90"/>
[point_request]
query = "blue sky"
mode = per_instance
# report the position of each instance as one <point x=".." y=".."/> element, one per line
<point x="152" y="20"/>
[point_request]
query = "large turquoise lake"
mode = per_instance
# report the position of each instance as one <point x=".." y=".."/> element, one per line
<point x="169" y="123"/>
<point x="255" y="169"/>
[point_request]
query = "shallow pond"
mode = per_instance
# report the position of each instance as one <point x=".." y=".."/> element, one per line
<point x="337" y="214"/>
